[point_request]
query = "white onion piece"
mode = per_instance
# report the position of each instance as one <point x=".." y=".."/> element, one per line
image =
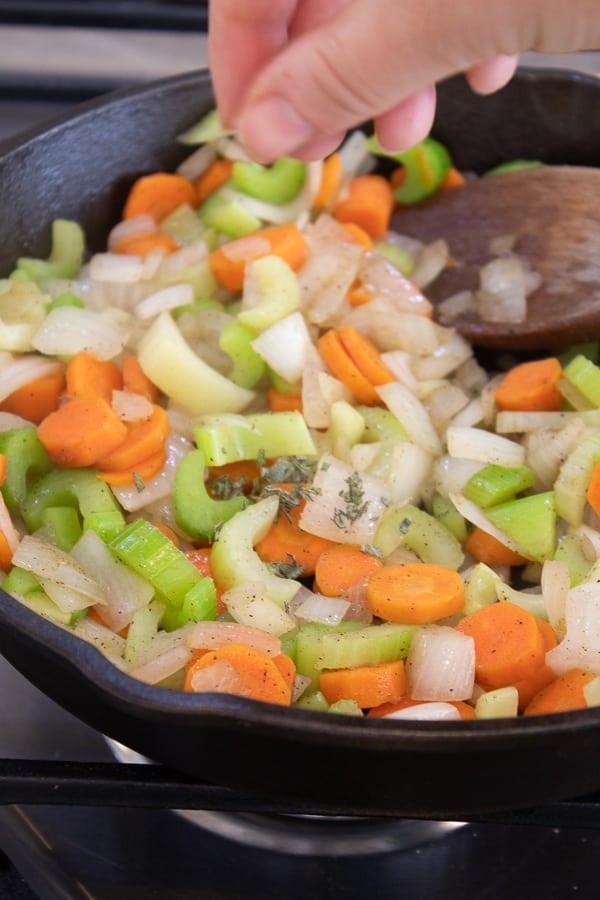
<point x="456" y="305"/>
<point x="513" y="421"/>
<point x="24" y="370"/>
<point x="159" y="487"/>
<point x="385" y="281"/>
<point x="476" y="516"/>
<point x="312" y="607"/>
<point x="410" y="470"/>
<point x="220" y="678"/>
<point x="580" y="648"/>
<point x="355" y="155"/>
<point x="411" y="413"/>
<point x="398" y="362"/>
<point x="67" y="330"/>
<point x="548" y="449"/>
<point x="328" y="506"/>
<point x="430" y="262"/>
<point x="319" y="391"/>
<point x="440" y="664"/>
<point x="426" y="712"/>
<point x="590" y="542"/>
<point x="503" y="291"/>
<point x="555" y="582"/>
<point x="450" y="474"/>
<point x="131" y="407"/>
<point x="326" y="278"/>
<point x="161" y="667"/>
<point x="8" y="421"/>
<point x="166" y="299"/>
<point x="470" y="415"/>
<point x="197" y="162"/>
<point x="284" y="346"/>
<point x="124" y="591"/>
<point x="64" y="580"/>
<point x="103" y="638"/>
<point x="212" y="635"/>
<point x="122" y="268"/>
<point x="484" y="446"/>
<point x="248" y="604"/>
<point x="7" y="527"/>
<point x="449" y="355"/>
<point x="143" y="224"/>
<point x="444" y="402"/>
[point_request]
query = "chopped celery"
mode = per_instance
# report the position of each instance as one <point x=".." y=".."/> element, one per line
<point x="22" y="311"/>
<point x="66" y="256"/>
<point x="584" y="375"/>
<point x="346" y="708"/>
<point x="380" y="425"/>
<point x="426" y="164"/>
<point x="346" y="426"/>
<point x="171" y="364"/>
<point x="530" y="522"/>
<point x="26" y="461"/>
<point x="480" y="588"/>
<point x="20" y="581"/>
<point x="569" y="550"/>
<point x="288" y="643"/>
<point x="142" y="631"/>
<point x="400" y="258"/>
<point x="409" y="526"/>
<point x="205" y="131"/>
<point x="177" y="582"/>
<point x="197" y="513"/>
<point x="200" y="277"/>
<point x="444" y="510"/>
<point x="498" y="704"/>
<point x="62" y="526"/>
<point x="573" y="478"/>
<point x="277" y="290"/>
<point x="65" y="299"/>
<point x="495" y="484"/>
<point x="227" y="215"/>
<point x="183" y="225"/>
<point x="79" y="488"/>
<point x="234" y="560"/>
<point x="278" y="183"/>
<point x="236" y="340"/>
<point x="516" y="165"/>
<point x="23" y="584"/>
<point x="314" y="700"/>
<point x="225" y="439"/>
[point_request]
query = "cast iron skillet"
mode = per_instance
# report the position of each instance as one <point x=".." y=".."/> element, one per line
<point x="81" y="167"/>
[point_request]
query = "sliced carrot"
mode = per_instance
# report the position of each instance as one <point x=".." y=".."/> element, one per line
<point x="398" y="177"/>
<point x="358" y="235"/>
<point x="228" y="262"/>
<point x="261" y="677"/>
<point x="593" y="490"/>
<point x="36" y="400"/>
<point x="562" y="694"/>
<point x="144" y="439"/>
<point x="340" y="566"/>
<point x="508" y="644"/>
<point x="531" y="386"/>
<point x="6" y="554"/>
<point x="143" y="243"/>
<point x="369" y="203"/>
<point x="278" y="402"/>
<point x="143" y="471"/>
<point x="86" y="374"/>
<point x="82" y="431"/>
<point x="453" y="179"/>
<point x="345" y="369"/>
<point x="415" y="593"/>
<point x="158" y="195"/>
<point x="2" y="468"/>
<point x="331" y="176"/>
<point x="365" y="355"/>
<point x="530" y="686"/>
<point x="368" y="686"/>
<point x="212" y="178"/>
<point x="488" y="549"/>
<point x="285" y="542"/>
<point x="465" y="710"/>
<point x="287" y="669"/>
<point x="135" y="380"/>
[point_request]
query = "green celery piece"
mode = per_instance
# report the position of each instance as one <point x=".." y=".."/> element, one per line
<point x="107" y="523"/>
<point x="24" y="584"/>
<point x="183" y="225"/>
<point x="530" y="522"/>
<point x="444" y="510"/>
<point x="278" y="183"/>
<point x="19" y="275"/>
<point x="197" y="306"/>
<point x="480" y="588"/>
<point x="367" y="646"/>
<point x="573" y="478"/>
<point x="205" y="131"/>
<point x="516" y="165"/>
<point x="62" y="526"/>
<point x="200" y="277"/>
<point x="409" y="526"/>
<point x="314" y="700"/>
<point x="281" y="385"/>
<point x="20" y="581"/>
<point x="26" y="461"/>
<point x="496" y="484"/>
<point x="234" y="560"/>
<point x="288" y="643"/>
<point x="400" y="258"/>
<point x="80" y="488"/>
<point x="147" y="551"/>
<point x="346" y="425"/>
<point x="426" y="164"/>
<point x="227" y="215"/>
<point x="66" y="299"/>
<point x="381" y="425"/>
<point x="66" y="256"/>
<point x="309" y="640"/>
<point x="584" y="375"/>
<point x="236" y="340"/>
<point x="346" y="708"/>
<point x="225" y="439"/>
<point x="142" y="631"/>
<point x="570" y="551"/>
<point x="41" y="604"/>
<point x="197" y="513"/>
<point x="199" y="605"/>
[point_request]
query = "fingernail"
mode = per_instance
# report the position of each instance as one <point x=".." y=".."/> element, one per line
<point x="272" y="128"/>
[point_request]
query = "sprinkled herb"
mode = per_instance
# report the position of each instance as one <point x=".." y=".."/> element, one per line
<point x="404" y="525"/>
<point x="290" y="468"/>
<point x="261" y="458"/>
<point x="139" y="482"/>
<point x="223" y="487"/>
<point x="372" y="549"/>
<point x="355" y="503"/>
<point x="289" y="569"/>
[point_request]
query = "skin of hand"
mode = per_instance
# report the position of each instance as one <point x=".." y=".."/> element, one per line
<point x="292" y="76"/>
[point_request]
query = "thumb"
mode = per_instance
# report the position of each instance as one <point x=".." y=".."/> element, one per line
<point x="378" y="55"/>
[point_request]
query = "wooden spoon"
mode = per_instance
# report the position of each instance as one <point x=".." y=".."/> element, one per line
<point x="554" y="213"/>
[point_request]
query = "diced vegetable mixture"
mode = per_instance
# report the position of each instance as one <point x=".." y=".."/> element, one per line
<point x="237" y="453"/>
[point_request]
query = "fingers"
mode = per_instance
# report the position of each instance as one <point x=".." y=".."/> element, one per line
<point x="372" y="57"/>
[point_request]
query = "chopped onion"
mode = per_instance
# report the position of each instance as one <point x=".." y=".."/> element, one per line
<point x="161" y="667"/>
<point x="580" y="648"/>
<point x="194" y="165"/>
<point x="166" y="299"/>
<point x="426" y="712"/>
<point x="68" y="330"/>
<point x="451" y="353"/>
<point x="284" y="346"/>
<point x="131" y="407"/>
<point x="176" y="263"/>
<point x="212" y="635"/>
<point x="122" y="268"/>
<point x="556" y="583"/>
<point x="24" y="370"/>
<point x="484" y="446"/>
<point x="105" y="639"/>
<point x="132" y="499"/>
<point x="440" y="664"/>
<point x="7" y="527"/>
<point x="312" y="607"/>
<point x="456" y="305"/>
<point x="64" y="580"/>
<point x="450" y="474"/>
<point x="220" y="678"/>
<point x="432" y="260"/>
<point x="355" y="155"/>
<point x="249" y="605"/>
<point x="143" y="224"/>
<point x="502" y="296"/>
<point x="398" y="362"/>
<point x="412" y="415"/>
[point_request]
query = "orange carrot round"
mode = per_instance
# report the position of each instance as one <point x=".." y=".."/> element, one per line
<point x="365" y="355"/>
<point x="144" y="243"/>
<point x="228" y="263"/>
<point x="340" y="566"/>
<point x="540" y="677"/>
<point x="278" y="402"/>
<point x="508" y="644"/>
<point x="158" y="195"/>
<point x="86" y="374"/>
<point x="331" y="175"/>
<point x="531" y="386"/>
<point x="36" y="400"/>
<point x="345" y="369"/>
<point x="562" y="694"/>
<point x="368" y="686"/>
<point x="369" y="203"/>
<point x="260" y="675"/>
<point x="143" y="470"/>
<point x="6" y="554"/>
<point x="488" y="549"/>
<point x="212" y="178"/>
<point x="81" y="432"/>
<point x="135" y="380"/>
<point x="143" y="440"/>
<point x="415" y="593"/>
<point x="285" y="542"/>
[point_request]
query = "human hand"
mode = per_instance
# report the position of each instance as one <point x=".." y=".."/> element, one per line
<point x="292" y="76"/>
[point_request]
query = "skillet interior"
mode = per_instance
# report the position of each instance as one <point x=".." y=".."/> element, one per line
<point x="81" y="168"/>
